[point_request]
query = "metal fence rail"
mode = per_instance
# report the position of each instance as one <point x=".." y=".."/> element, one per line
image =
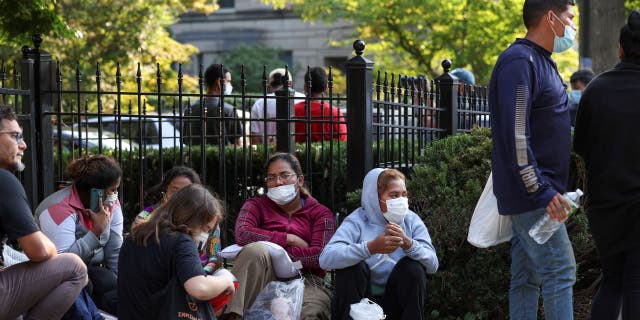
<point x="390" y="120"/>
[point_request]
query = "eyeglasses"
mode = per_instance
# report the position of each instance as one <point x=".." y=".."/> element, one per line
<point x="285" y="176"/>
<point x="16" y="135"/>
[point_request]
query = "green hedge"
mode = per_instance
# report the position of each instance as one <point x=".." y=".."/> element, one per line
<point x="327" y="171"/>
<point x="471" y="283"/>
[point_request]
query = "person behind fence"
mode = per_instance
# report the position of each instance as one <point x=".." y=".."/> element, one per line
<point x="47" y="285"/>
<point x="217" y="79"/>
<point x="464" y="75"/>
<point x="166" y="246"/>
<point x="530" y="160"/>
<point x="175" y="179"/>
<point x="327" y="122"/>
<point x="579" y="81"/>
<point x="94" y="234"/>
<point x="605" y="137"/>
<point x="290" y="217"/>
<point x="381" y="251"/>
<point x="258" y="130"/>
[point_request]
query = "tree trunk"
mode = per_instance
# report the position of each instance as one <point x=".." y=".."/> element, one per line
<point x="605" y="20"/>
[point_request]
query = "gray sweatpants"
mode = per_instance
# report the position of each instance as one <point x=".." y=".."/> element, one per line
<point x="41" y="290"/>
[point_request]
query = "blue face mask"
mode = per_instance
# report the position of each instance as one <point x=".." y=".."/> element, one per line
<point x="565" y="42"/>
<point x="574" y="96"/>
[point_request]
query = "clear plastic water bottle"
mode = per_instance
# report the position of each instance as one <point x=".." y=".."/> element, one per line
<point x="544" y="228"/>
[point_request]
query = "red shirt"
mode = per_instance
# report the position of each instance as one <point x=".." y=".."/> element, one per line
<point x="262" y="219"/>
<point x="323" y="116"/>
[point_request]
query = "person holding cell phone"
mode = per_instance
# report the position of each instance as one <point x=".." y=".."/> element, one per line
<point x="85" y="218"/>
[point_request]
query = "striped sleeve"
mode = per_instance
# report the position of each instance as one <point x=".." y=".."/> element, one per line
<point x="516" y="81"/>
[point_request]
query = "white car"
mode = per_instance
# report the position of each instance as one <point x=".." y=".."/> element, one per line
<point x="142" y="130"/>
<point x="89" y="139"/>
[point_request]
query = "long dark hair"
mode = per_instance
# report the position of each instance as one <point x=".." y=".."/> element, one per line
<point x="155" y="193"/>
<point x="188" y="209"/>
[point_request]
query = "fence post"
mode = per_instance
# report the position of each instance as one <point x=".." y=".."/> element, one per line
<point x="38" y="78"/>
<point x="359" y="117"/>
<point x="285" y="129"/>
<point x="448" y="96"/>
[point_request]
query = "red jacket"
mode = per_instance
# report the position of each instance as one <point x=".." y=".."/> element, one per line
<point x="261" y="219"/>
<point x="323" y="117"/>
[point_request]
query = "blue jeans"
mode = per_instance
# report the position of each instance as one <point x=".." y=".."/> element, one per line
<point x="551" y="266"/>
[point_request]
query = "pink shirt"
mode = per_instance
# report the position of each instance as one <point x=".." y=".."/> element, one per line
<point x="261" y="219"/>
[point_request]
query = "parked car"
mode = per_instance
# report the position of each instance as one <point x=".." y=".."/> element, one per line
<point x="88" y="139"/>
<point x="143" y="130"/>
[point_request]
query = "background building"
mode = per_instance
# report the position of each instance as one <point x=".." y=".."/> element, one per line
<point x="251" y="22"/>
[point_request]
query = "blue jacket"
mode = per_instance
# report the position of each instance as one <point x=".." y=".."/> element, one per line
<point x="348" y="246"/>
<point x="530" y="128"/>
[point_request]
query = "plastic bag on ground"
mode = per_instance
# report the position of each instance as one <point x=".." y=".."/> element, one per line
<point x="366" y="310"/>
<point x="278" y="301"/>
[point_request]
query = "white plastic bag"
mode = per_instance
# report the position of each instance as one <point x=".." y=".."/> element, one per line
<point x="278" y="301"/>
<point x="366" y="310"/>
<point x="488" y="228"/>
<point x="12" y="256"/>
<point x="283" y="266"/>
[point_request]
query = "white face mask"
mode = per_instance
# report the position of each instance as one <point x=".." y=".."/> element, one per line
<point x="228" y="88"/>
<point x="282" y="194"/>
<point x="110" y="199"/>
<point x="396" y="209"/>
<point x="202" y="240"/>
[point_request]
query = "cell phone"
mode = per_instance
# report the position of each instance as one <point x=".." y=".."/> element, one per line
<point x="95" y="195"/>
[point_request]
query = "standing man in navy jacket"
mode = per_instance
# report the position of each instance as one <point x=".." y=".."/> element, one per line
<point x="531" y="148"/>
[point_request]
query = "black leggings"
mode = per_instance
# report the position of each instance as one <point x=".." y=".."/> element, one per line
<point x="620" y="287"/>
<point x="405" y="293"/>
<point x="103" y="286"/>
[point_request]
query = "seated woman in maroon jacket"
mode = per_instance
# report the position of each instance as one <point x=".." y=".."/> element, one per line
<point x="288" y="216"/>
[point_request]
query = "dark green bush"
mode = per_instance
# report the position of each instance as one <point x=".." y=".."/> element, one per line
<point x="325" y="177"/>
<point x="471" y="283"/>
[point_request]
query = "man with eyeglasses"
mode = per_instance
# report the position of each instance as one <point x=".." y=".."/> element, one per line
<point x="46" y="285"/>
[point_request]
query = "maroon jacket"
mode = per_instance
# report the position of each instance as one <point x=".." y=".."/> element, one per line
<point x="261" y="219"/>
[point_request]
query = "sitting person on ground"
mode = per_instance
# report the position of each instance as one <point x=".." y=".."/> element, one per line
<point x="287" y="216"/>
<point x="48" y="284"/>
<point x="175" y="179"/>
<point x="327" y="122"/>
<point x="166" y="247"/>
<point x="96" y="236"/>
<point x="382" y="251"/>
<point x="277" y="80"/>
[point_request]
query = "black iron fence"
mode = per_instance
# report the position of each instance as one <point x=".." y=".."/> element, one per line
<point x="388" y="120"/>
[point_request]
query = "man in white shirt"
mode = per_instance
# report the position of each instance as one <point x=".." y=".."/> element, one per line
<point x="276" y="81"/>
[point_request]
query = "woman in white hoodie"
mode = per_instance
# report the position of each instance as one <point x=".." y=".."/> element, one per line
<point x="381" y="251"/>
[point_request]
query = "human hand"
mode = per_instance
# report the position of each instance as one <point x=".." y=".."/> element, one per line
<point x="558" y="208"/>
<point x="384" y="244"/>
<point x="295" y="241"/>
<point x="394" y="229"/>
<point x="100" y="219"/>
